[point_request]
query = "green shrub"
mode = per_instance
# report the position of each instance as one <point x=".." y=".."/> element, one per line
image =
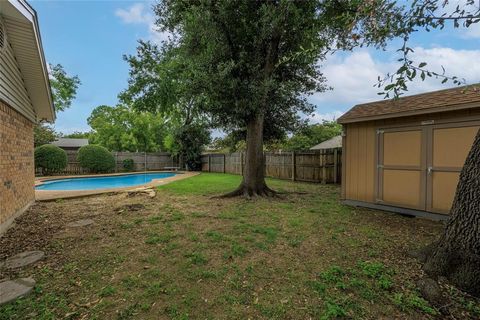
<point x="96" y="158"/>
<point x="128" y="164"/>
<point x="50" y="158"/>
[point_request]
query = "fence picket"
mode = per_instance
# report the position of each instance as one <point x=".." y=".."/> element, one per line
<point x="322" y="166"/>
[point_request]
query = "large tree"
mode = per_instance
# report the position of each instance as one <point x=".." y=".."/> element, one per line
<point x="234" y="51"/>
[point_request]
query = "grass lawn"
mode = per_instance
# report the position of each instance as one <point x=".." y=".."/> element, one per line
<point x="184" y="255"/>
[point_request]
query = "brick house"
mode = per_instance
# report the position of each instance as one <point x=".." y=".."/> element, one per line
<point x="25" y="99"/>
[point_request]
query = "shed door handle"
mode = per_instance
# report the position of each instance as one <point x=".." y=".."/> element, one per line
<point x="429" y="170"/>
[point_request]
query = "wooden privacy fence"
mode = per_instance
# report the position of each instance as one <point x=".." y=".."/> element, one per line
<point x="141" y="162"/>
<point x="312" y="166"/>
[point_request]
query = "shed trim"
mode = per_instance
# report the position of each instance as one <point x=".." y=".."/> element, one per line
<point x="393" y="209"/>
<point x="411" y="113"/>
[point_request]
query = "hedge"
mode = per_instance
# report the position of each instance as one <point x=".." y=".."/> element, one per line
<point x="96" y="159"/>
<point x="50" y="158"/>
<point x="128" y="164"/>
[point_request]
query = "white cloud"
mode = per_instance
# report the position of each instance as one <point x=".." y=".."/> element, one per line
<point x="142" y="14"/>
<point x="136" y="14"/>
<point x="353" y="76"/>
<point x="472" y="32"/>
<point x="317" y="117"/>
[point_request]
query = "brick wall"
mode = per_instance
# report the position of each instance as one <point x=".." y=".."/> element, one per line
<point x="17" y="173"/>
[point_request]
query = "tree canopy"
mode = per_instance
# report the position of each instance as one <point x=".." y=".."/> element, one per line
<point x="64" y="87"/>
<point x="311" y="135"/>
<point x="120" y="128"/>
<point x="64" y="90"/>
<point x="160" y="83"/>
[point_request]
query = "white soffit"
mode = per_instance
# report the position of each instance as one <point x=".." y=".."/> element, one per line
<point x="23" y="34"/>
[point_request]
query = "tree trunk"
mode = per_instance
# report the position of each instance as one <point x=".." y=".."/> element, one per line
<point x="456" y="256"/>
<point x="253" y="183"/>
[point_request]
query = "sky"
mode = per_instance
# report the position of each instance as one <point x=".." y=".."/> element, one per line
<point x="89" y="38"/>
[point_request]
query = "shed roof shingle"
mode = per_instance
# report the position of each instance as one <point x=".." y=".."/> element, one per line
<point x="70" y="142"/>
<point x="430" y="102"/>
<point x="335" y="142"/>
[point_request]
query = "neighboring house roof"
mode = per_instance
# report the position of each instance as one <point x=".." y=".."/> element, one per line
<point x="444" y="100"/>
<point x="23" y="34"/>
<point x="335" y="142"/>
<point x="70" y="143"/>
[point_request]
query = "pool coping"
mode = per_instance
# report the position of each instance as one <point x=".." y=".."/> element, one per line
<point x="48" y="195"/>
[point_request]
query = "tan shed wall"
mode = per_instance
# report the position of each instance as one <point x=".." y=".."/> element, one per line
<point x="360" y="154"/>
<point x="360" y="161"/>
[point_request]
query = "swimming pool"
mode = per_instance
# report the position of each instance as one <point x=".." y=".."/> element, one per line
<point x="103" y="182"/>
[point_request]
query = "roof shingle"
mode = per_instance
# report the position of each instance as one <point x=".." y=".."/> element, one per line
<point x="70" y="142"/>
<point x="430" y="102"/>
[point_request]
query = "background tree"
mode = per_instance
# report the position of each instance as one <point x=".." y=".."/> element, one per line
<point x="160" y="83"/>
<point x="64" y="90"/>
<point x="64" y="87"/>
<point x="77" y="135"/>
<point x="122" y="129"/>
<point x="311" y="135"/>
<point x="43" y="134"/>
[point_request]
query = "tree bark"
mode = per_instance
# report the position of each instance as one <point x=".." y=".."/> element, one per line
<point x="253" y="183"/>
<point x="456" y="256"/>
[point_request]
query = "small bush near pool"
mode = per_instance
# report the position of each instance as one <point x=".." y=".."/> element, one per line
<point x="50" y="158"/>
<point x="96" y="159"/>
<point x="128" y="164"/>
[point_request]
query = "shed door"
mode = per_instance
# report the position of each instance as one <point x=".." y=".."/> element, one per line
<point x="448" y="148"/>
<point x="401" y="167"/>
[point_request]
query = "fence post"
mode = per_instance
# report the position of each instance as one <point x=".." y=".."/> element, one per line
<point x="293" y="165"/>
<point x="145" y="160"/>
<point x="323" y="163"/>
<point x="335" y="165"/>
<point x="241" y="163"/>
<point x="224" y="158"/>
<point x="209" y="163"/>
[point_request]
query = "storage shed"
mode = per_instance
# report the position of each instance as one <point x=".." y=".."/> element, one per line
<point x="405" y="155"/>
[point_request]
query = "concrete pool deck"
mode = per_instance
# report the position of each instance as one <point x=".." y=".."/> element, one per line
<point x="47" y="195"/>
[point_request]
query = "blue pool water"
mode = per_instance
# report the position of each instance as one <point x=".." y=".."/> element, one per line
<point x="94" y="183"/>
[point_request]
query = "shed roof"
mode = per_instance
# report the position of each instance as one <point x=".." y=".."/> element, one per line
<point x="431" y="102"/>
<point x="335" y="142"/>
<point x="70" y="142"/>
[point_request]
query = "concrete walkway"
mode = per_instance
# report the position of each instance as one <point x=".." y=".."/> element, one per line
<point x="47" y="195"/>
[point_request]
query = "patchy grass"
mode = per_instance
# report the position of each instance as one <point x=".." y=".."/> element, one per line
<point x="186" y="255"/>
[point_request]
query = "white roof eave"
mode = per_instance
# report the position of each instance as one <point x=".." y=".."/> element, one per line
<point x="19" y="14"/>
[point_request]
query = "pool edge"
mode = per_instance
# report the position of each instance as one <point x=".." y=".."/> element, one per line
<point x="49" y="195"/>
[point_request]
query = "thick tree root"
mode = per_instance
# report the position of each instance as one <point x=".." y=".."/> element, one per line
<point x="242" y="190"/>
<point x="460" y="267"/>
